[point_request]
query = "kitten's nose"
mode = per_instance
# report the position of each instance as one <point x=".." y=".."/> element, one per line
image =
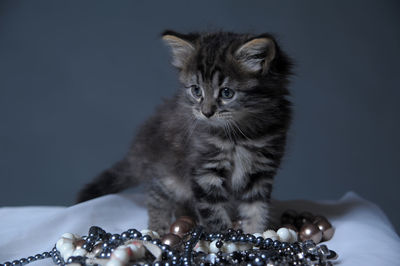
<point x="208" y="111"/>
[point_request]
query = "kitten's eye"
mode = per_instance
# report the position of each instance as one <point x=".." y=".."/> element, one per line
<point x="196" y="91"/>
<point x="227" y="93"/>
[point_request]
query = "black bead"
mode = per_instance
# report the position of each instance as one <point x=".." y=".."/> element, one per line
<point x="125" y="235"/>
<point x="7" y="263"/>
<point x="115" y="237"/>
<point x="219" y="244"/>
<point x="38" y="256"/>
<point x="268" y="242"/>
<point x="146" y="238"/>
<point x="23" y="261"/>
<point x="46" y="254"/>
<point x="156" y="242"/>
<point x="258" y="261"/>
<point x="242" y="238"/>
<point x="16" y="263"/>
<point x="250" y="256"/>
<point x="132" y="231"/>
<point x="259" y="241"/>
<point x="88" y="246"/>
<point x="91" y="240"/>
<point x="234" y="238"/>
<point x="250" y="238"/>
<point x="277" y="244"/>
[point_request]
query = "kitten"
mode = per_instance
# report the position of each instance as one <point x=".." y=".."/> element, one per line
<point x="212" y="150"/>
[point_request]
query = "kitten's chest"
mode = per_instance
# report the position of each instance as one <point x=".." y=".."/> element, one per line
<point x="242" y="164"/>
<point x="237" y="160"/>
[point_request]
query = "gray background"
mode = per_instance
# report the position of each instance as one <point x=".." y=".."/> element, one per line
<point x="77" y="78"/>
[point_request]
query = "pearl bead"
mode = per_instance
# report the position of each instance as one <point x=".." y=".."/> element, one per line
<point x="152" y="234"/>
<point x="69" y="236"/>
<point x="171" y="240"/>
<point x="293" y="236"/>
<point x="325" y="226"/>
<point x="138" y="251"/>
<point x="180" y="228"/>
<point x="66" y="246"/>
<point x="257" y="235"/>
<point x="115" y="263"/>
<point x="303" y="218"/>
<point x="290" y="226"/>
<point x="201" y="246"/>
<point x="188" y="220"/>
<point x="97" y="249"/>
<point x="283" y="234"/>
<point x="229" y="247"/>
<point x="121" y="253"/>
<point x="213" y="246"/>
<point x="79" y="252"/>
<point x="62" y="241"/>
<point x="243" y="246"/>
<point x="79" y="243"/>
<point x="310" y="231"/>
<point x="270" y="234"/>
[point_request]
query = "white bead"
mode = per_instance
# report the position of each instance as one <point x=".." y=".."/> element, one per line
<point x="270" y="234"/>
<point x="115" y="263"/>
<point x="79" y="252"/>
<point x="69" y="236"/>
<point x="201" y="246"/>
<point x="229" y="247"/>
<point x="284" y="234"/>
<point x="213" y="248"/>
<point x="62" y="241"/>
<point x="66" y="248"/>
<point x="137" y="249"/>
<point x="152" y="234"/>
<point x="243" y="247"/>
<point x="121" y="254"/>
<point x="211" y="258"/>
<point x="257" y="235"/>
<point x="293" y="236"/>
<point x="67" y="253"/>
<point x="155" y="235"/>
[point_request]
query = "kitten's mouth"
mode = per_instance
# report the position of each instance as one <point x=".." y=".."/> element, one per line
<point x="216" y="120"/>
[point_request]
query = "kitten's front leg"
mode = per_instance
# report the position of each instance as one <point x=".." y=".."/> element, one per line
<point x="210" y="198"/>
<point x="254" y="203"/>
<point x="160" y="208"/>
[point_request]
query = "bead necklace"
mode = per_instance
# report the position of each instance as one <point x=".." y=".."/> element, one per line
<point x="188" y="244"/>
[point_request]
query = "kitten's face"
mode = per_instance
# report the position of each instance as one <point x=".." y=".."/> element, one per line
<point x="225" y="75"/>
<point x="220" y="100"/>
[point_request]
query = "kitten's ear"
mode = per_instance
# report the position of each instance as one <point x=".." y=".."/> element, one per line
<point x="256" y="54"/>
<point x="182" y="48"/>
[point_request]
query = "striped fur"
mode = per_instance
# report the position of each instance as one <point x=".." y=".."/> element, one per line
<point x="204" y="154"/>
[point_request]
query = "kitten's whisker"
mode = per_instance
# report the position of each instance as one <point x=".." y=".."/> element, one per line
<point x="235" y="124"/>
<point x="190" y="130"/>
<point x="227" y="131"/>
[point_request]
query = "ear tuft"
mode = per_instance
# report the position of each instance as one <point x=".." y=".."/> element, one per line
<point x="181" y="49"/>
<point x="256" y="54"/>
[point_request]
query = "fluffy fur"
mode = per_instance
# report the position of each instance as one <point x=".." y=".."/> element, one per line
<point x="213" y="149"/>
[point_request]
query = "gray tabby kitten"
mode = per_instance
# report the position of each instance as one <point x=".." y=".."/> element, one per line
<point x="212" y="150"/>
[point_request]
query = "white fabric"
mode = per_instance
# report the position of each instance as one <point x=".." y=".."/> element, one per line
<point x="364" y="236"/>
